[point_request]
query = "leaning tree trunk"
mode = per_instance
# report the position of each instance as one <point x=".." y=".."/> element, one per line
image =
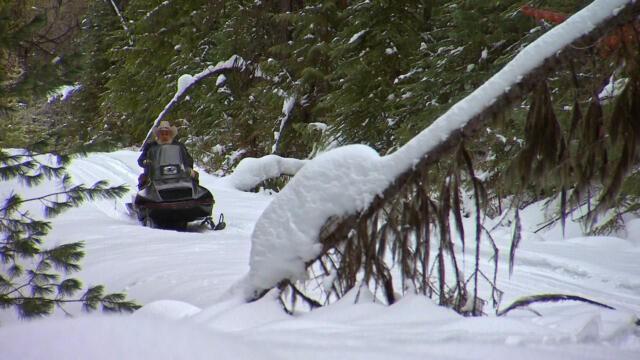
<point x="338" y="234"/>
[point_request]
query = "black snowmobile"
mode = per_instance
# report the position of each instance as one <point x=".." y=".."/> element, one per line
<point x="172" y="198"/>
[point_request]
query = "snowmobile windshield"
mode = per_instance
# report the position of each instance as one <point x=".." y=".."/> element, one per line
<point x="169" y="155"/>
<point x="168" y="163"/>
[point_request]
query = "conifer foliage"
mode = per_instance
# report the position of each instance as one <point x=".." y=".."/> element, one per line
<point x="34" y="279"/>
<point x="402" y="240"/>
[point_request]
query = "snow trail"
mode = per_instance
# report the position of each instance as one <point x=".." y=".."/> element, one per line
<point x="183" y="279"/>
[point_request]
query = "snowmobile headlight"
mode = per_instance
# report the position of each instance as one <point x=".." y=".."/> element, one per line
<point x="170" y="170"/>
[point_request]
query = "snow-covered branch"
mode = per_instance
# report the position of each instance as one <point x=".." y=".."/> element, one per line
<point x="187" y="81"/>
<point x="250" y="172"/>
<point x="287" y="108"/>
<point x="155" y="9"/>
<point x="122" y="20"/>
<point x="324" y="200"/>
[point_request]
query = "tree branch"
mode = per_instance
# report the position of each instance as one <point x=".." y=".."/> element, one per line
<point x="122" y="20"/>
<point x="549" y="298"/>
<point x="234" y="62"/>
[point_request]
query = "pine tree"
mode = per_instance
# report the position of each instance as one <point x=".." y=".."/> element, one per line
<point x="33" y="279"/>
<point x="19" y="78"/>
<point x="402" y="240"/>
<point x="35" y="58"/>
<point x="100" y="36"/>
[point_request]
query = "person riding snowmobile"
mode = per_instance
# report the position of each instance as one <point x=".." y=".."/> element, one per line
<point x="165" y="133"/>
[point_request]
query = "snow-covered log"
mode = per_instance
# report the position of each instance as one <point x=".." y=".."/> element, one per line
<point x="250" y="172"/>
<point x="323" y="203"/>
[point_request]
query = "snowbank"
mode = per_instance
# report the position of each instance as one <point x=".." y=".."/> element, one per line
<point x="182" y="279"/>
<point x="335" y="183"/>
<point x="122" y="337"/>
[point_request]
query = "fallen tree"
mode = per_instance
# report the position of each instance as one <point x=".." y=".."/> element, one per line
<point x="397" y="212"/>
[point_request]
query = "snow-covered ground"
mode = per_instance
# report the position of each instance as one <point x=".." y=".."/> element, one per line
<point x="183" y="280"/>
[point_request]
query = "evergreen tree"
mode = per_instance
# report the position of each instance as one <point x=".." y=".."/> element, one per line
<point x="33" y="279"/>
<point x="99" y="40"/>
<point x="35" y="58"/>
<point x="22" y="75"/>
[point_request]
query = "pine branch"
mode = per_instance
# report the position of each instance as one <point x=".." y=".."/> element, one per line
<point x="122" y="21"/>
<point x="40" y="290"/>
<point x="75" y="196"/>
<point x="35" y="306"/>
<point x="528" y="300"/>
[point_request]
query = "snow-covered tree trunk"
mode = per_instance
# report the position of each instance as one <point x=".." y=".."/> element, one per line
<point x="186" y="82"/>
<point x="122" y="21"/>
<point x="406" y="173"/>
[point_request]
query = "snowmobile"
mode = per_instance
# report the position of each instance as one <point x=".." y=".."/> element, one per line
<point x="172" y="198"/>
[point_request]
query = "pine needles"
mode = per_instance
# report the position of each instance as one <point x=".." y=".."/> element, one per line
<point x="31" y="280"/>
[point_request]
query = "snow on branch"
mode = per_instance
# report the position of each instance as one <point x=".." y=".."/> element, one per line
<point x="122" y="20"/>
<point x="250" y="172"/>
<point x="187" y="81"/>
<point x="315" y="210"/>
<point x="287" y="108"/>
<point x="528" y="62"/>
<point x="155" y="9"/>
<point x="285" y="237"/>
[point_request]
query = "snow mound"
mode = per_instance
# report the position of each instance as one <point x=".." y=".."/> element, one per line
<point x="336" y="183"/>
<point x="119" y="337"/>
<point x="250" y="172"/>
<point x="169" y="309"/>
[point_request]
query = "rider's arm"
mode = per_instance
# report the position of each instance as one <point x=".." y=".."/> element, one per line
<point x="187" y="157"/>
<point x="143" y="155"/>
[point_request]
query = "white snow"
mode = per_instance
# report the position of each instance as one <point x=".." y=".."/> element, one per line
<point x="530" y="57"/>
<point x="250" y="172"/>
<point x="186" y="282"/>
<point x="613" y="89"/>
<point x="287" y="106"/>
<point x="193" y="284"/>
<point x="63" y="92"/>
<point x="391" y="51"/>
<point x="357" y="36"/>
<point x="322" y="127"/>
<point x="221" y="80"/>
<point x="483" y="55"/>
<point x="185" y="81"/>
<point x="285" y="236"/>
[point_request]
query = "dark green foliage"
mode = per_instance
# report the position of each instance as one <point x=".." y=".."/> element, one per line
<point x="411" y="61"/>
<point x="95" y="121"/>
<point x="33" y="57"/>
<point x="33" y="280"/>
<point x="407" y="227"/>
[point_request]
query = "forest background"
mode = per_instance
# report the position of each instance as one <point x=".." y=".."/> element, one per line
<point x="316" y="75"/>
